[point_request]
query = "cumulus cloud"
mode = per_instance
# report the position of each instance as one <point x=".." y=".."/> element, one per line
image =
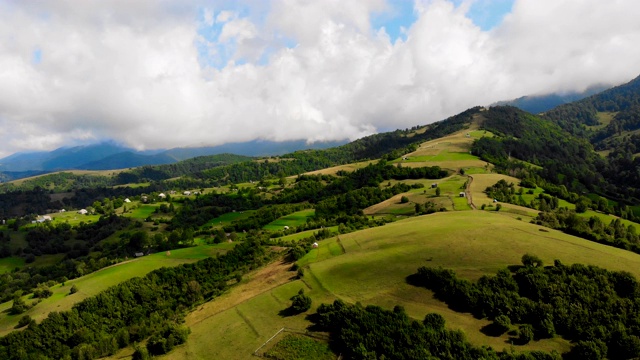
<point x="160" y="74"/>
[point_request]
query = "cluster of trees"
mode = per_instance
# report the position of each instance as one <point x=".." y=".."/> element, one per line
<point x="616" y="233"/>
<point x="371" y="332"/>
<point x="133" y="310"/>
<point x="599" y="310"/>
<point x="353" y="202"/>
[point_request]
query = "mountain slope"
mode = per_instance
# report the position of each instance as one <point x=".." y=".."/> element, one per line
<point x="622" y="103"/>
<point x="536" y="104"/>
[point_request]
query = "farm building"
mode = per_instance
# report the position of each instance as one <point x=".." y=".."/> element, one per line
<point x="434" y="185"/>
<point x="127" y="200"/>
<point x="286" y="227"/>
<point x="139" y="254"/>
<point x="186" y="193"/>
<point x="462" y="194"/>
<point x="315" y="245"/>
<point x="162" y="196"/>
<point x="44" y="218"/>
<point x="83" y="212"/>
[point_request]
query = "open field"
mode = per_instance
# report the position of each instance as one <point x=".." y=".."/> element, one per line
<point x="449" y="152"/>
<point x="291" y="220"/>
<point x="140" y="211"/>
<point x="350" y="268"/>
<point x="98" y="281"/>
<point x="305" y="234"/>
<point x="482" y="181"/>
<point x="75" y="172"/>
<point x="226" y="219"/>
<point x="335" y="169"/>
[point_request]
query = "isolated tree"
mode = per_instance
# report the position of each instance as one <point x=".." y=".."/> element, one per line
<point x="531" y="260"/>
<point x="404" y="200"/>
<point x="73" y="290"/>
<point x="300" y="302"/>
<point x="438" y="192"/>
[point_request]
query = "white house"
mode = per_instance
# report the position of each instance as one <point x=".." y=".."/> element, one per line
<point x="187" y="193"/>
<point x="127" y="200"/>
<point x="286" y="227"/>
<point x="162" y="196"/>
<point x="83" y="212"/>
<point x="462" y="194"/>
<point x="315" y="245"/>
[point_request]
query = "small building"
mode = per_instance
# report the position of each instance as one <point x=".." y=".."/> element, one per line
<point x="286" y="227"/>
<point x="495" y="200"/>
<point x="162" y="196"/>
<point x="462" y="194"/>
<point x="186" y="193"/>
<point x="139" y="254"/>
<point x="63" y="210"/>
<point x="144" y="198"/>
<point x="44" y="218"/>
<point x="83" y="212"/>
<point x="127" y="200"/>
<point x="314" y="245"/>
<point x="434" y="185"/>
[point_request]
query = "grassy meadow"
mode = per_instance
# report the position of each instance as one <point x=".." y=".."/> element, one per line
<point x="371" y="266"/>
<point x="295" y="219"/>
<point x="100" y="280"/>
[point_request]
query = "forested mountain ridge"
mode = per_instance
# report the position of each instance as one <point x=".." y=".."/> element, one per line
<point x="619" y="105"/>
<point x="565" y="160"/>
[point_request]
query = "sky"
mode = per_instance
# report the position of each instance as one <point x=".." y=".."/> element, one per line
<point x="155" y="74"/>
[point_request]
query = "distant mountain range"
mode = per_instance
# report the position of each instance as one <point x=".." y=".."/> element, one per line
<point x="537" y="104"/>
<point x="108" y="156"/>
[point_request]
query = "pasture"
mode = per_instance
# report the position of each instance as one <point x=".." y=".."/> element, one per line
<point x="100" y="280"/>
<point x="295" y="219"/>
<point x="350" y="267"/>
<point x="9" y="263"/>
<point x="226" y="219"/>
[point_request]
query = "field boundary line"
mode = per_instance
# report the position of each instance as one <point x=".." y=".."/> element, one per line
<point x="246" y="320"/>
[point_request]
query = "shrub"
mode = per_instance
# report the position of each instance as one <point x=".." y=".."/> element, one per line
<point x="73" y="290"/>
<point x="24" y="321"/>
<point x="525" y="333"/>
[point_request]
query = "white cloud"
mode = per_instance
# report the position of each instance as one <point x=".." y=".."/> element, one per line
<point x="296" y="69"/>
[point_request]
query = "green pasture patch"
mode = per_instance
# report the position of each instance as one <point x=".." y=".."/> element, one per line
<point x="300" y="347"/>
<point x="295" y="219"/>
<point x="476" y="134"/>
<point x="460" y="203"/>
<point x="134" y="185"/>
<point x="476" y="170"/>
<point x="227" y="219"/>
<point x="141" y="212"/>
<point x="441" y="156"/>
<point x="98" y="281"/>
<point x="9" y="263"/>
<point x="305" y="234"/>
